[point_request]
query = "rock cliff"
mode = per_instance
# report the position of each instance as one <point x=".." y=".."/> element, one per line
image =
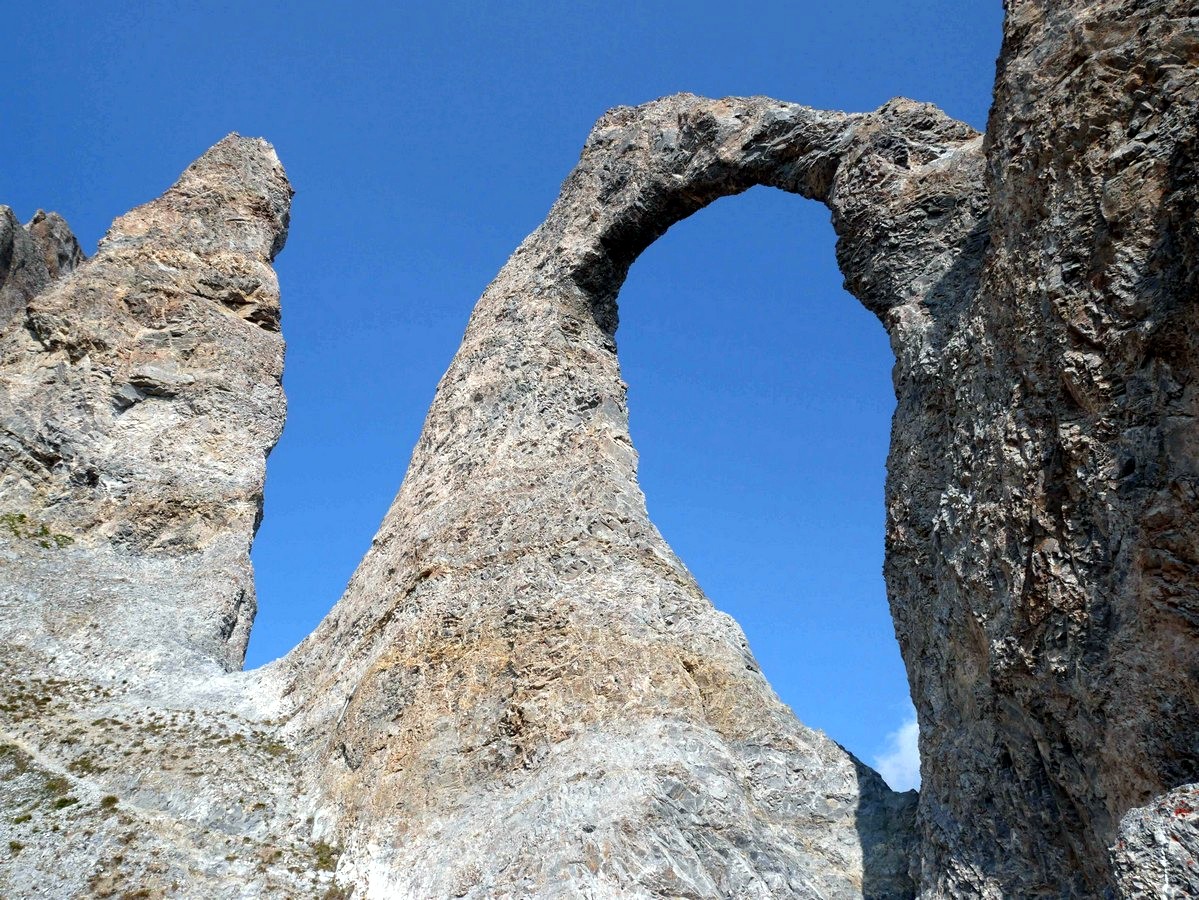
<point x="1041" y="567"/>
<point x="139" y="396"/>
<point x="31" y="257"/>
<point x="523" y="692"/>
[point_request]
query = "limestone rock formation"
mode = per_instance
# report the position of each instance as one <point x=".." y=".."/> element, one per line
<point x="138" y="398"/>
<point x="523" y="693"/>
<point x="142" y="395"/>
<point x="521" y="640"/>
<point x="32" y="256"/>
<point x="1042" y="535"/>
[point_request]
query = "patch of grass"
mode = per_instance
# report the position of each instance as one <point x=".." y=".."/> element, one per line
<point x="15" y="847"/>
<point x="109" y="802"/>
<point x="274" y="748"/>
<point x="56" y="784"/>
<point x="64" y="802"/>
<point x="21" y="527"/>
<point x="14" y="522"/>
<point x="84" y="765"/>
<point x="326" y="856"/>
<point x="21" y="819"/>
<point x="15" y="757"/>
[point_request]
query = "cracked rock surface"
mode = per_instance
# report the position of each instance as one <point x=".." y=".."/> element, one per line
<point x="521" y="640"/>
<point x="523" y="692"/>
<point x="31" y="256"/>
<point x="139" y="395"/>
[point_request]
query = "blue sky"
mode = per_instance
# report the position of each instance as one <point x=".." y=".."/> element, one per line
<point x="425" y="141"/>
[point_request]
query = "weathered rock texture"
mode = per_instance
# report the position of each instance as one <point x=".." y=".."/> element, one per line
<point x="521" y="640"/>
<point x="31" y="257"/>
<point x="523" y="692"/>
<point x="1042" y="536"/>
<point x="138" y="399"/>
<point x="141" y="397"/>
<point x="1157" y="852"/>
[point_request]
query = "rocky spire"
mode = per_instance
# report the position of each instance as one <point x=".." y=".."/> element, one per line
<point x="141" y="397"/>
<point x="31" y="257"/>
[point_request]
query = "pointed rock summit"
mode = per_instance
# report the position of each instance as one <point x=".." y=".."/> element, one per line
<point x="31" y="257"/>
<point x="141" y="397"/>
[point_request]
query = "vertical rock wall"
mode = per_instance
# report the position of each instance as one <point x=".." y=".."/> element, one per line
<point x="140" y="398"/>
<point x="1042" y="500"/>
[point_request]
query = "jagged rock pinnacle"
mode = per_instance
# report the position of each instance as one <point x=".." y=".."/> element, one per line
<point x="144" y="439"/>
<point x="32" y="257"/>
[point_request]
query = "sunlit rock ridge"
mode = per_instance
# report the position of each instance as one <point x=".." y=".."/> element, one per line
<point x="523" y="692"/>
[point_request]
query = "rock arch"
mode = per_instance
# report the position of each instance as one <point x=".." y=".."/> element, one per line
<point x="519" y="555"/>
<point x="523" y="692"/>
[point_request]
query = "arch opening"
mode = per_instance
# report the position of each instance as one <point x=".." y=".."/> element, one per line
<point x="760" y="401"/>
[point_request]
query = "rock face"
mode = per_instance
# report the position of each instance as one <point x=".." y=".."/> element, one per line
<point x="1157" y="853"/>
<point x="1042" y="540"/>
<point x="523" y="692"/>
<point x="142" y="396"/>
<point x="521" y="646"/>
<point x="138" y="399"/>
<point x="32" y="257"/>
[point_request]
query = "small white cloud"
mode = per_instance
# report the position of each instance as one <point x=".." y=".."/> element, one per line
<point x="899" y="764"/>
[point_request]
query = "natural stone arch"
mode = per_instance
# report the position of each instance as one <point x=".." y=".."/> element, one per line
<point x="760" y="404"/>
<point x="519" y="556"/>
<point x="523" y="692"/>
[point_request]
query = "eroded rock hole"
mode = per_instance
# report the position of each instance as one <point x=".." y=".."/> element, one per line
<point x="760" y="401"/>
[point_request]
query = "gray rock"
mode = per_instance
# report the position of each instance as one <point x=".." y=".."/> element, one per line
<point x="1157" y="854"/>
<point x="60" y="250"/>
<point x="142" y="396"/>
<point x="523" y="692"/>
<point x="521" y="646"/>
<point x="139" y="395"/>
<point x="1042" y="535"/>
<point x="31" y="257"/>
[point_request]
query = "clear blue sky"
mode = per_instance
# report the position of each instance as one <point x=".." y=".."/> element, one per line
<point x="425" y="140"/>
